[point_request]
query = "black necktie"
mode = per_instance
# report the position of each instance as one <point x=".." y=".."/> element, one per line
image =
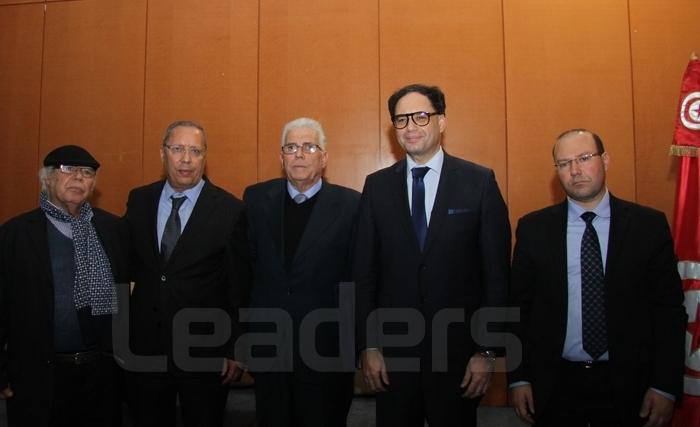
<point x="172" y="229"/>
<point x="420" y="223"/>
<point x="595" y="339"/>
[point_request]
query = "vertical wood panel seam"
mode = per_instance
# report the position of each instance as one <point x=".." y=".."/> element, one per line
<point x="634" y="104"/>
<point x="257" y="95"/>
<point x="41" y="86"/>
<point x="505" y="100"/>
<point x="143" y="112"/>
<point x="378" y="156"/>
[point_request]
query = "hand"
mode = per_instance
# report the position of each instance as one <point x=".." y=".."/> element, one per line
<point x="374" y="370"/>
<point x="477" y="376"/>
<point x="231" y="371"/>
<point x="656" y="408"/>
<point x="523" y="403"/>
<point x="6" y="393"/>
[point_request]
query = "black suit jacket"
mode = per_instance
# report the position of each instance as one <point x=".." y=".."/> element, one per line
<point x="643" y="302"/>
<point x="208" y="268"/>
<point x="464" y="266"/>
<point x="27" y="307"/>
<point x="321" y="262"/>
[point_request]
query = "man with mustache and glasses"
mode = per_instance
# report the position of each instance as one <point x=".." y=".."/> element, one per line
<point x="189" y="257"/>
<point x="602" y="321"/>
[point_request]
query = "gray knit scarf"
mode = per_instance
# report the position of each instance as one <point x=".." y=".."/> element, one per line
<point x="94" y="282"/>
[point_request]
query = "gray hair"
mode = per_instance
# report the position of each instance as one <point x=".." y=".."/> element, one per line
<point x="44" y="173"/>
<point x="305" y="122"/>
<point x="183" y="123"/>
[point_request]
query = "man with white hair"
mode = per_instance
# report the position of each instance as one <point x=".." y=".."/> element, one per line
<point x="58" y="265"/>
<point x="300" y="235"/>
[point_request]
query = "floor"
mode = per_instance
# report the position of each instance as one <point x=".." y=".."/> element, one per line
<point x="241" y="412"/>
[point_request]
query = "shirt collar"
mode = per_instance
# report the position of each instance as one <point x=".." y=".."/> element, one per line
<point x="602" y="210"/>
<point x="192" y="193"/>
<point x="435" y="163"/>
<point x="308" y="193"/>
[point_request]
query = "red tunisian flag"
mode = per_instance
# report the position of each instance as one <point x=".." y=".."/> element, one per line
<point x="686" y="235"/>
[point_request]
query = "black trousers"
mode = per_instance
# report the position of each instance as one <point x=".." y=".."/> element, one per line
<point x="582" y="397"/>
<point x="84" y="395"/>
<point x="413" y="398"/>
<point x="286" y="399"/>
<point x="202" y="399"/>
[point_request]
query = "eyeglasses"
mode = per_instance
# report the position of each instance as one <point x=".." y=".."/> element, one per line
<point x="178" y="150"/>
<point x="306" y="147"/>
<point x="580" y="160"/>
<point x="420" y="118"/>
<point x="84" y="171"/>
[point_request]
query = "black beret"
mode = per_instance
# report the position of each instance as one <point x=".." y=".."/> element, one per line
<point x="71" y="155"/>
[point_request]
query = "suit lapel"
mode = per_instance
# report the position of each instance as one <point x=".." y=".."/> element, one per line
<point x="399" y="192"/>
<point x="152" y="220"/>
<point x="200" y="215"/>
<point x="619" y="215"/>
<point x="274" y="215"/>
<point x="439" y="212"/>
<point x="555" y="230"/>
<point x="38" y="235"/>
<point x="323" y="215"/>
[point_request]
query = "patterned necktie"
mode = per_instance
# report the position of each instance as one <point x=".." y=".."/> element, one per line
<point x="300" y="198"/>
<point x="420" y="223"/>
<point x="595" y="339"/>
<point x="172" y="229"/>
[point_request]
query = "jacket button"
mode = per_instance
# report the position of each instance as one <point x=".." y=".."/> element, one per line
<point x="162" y="278"/>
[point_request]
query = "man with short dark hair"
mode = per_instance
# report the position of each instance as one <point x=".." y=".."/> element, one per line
<point x="189" y="258"/>
<point x="58" y="268"/>
<point x="433" y="239"/>
<point x="602" y="318"/>
<point x="301" y="240"/>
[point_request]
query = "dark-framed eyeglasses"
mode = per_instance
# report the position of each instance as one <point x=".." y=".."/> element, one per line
<point x="179" y="150"/>
<point x="420" y="118"/>
<point x="84" y="171"/>
<point x="307" y="147"/>
<point x="580" y="160"/>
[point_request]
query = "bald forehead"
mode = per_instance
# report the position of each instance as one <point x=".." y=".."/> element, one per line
<point x="579" y="138"/>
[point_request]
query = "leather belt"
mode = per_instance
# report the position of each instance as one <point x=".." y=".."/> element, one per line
<point x="79" y="358"/>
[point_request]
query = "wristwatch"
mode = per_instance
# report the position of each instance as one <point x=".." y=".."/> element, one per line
<point x="488" y="354"/>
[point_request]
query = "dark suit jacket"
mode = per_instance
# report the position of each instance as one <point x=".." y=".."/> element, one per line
<point x="321" y="262"/>
<point x="209" y="267"/>
<point x="464" y="266"/>
<point x="643" y="302"/>
<point x="27" y="306"/>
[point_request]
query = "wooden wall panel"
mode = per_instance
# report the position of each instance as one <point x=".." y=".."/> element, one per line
<point x="663" y="35"/>
<point x="20" y="85"/>
<point x="202" y="66"/>
<point x="15" y="2"/>
<point x="319" y="59"/>
<point x="92" y="90"/>
<point x="459" y="47"/>
<point x="567" y="66"/>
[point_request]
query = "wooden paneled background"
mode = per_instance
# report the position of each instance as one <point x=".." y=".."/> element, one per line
<point x="111" y="74"/>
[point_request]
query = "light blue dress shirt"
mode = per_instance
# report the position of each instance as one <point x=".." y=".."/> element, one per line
<point x="308" y="193"/>
<point x="165" y="205"/>
<point x="575" y="226"/>
<point x="430" y="180"/>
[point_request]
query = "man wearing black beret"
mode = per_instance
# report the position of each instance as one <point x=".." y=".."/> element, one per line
<point x="58" y="267"/>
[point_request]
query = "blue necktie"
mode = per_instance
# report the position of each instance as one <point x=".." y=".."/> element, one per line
<point x="172" y="230"/>
<point x="595" y="337"/>
<point x="420" y="223"/>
